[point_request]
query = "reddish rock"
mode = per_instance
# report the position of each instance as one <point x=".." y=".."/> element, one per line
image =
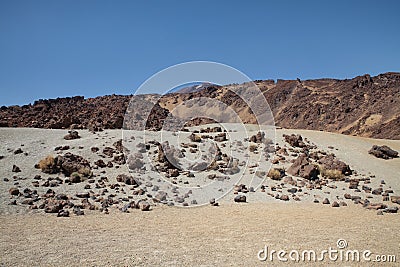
<point x="330" y="162"/>
<point x="303" y="168"/>
<point x="294" y="140"/>
<point x="144" y="206"/>
<point x="14" y="191"/>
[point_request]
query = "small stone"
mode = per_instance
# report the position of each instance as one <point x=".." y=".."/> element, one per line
<point x="75" y="178"/>
<point x="14" y="191"/>
<point x="284" y="198"/>
<point x="179" y="199"/>
<point x="395" y="199"/>
<point x="61" y="197"/>
<point x="377" y="191"/>
<point x="27" y="202"/>
<point x="144" y="206"/>
<point x="347" y="196"/>
<point x="100" y="163"/>
<point x="160" y="196"/>
<point x="335" y="204"/>
<point x="379" y="212"/>
<point x="78" y="211"/>
<point x="18" y="151"/>
<point x="63" y="213"/>
<point x="326" y="201"/>
<point x="72" y="135"/>
<point x="125" y="208"/>
<point x="15" y="168"/>
<point x="353" y="184"/>
<point x="391" y="210"/>
<point x="292" y="190"/>
<point x="83" y="195"/>
<point x="212" y="201"/>
<point x="240" y="198"/>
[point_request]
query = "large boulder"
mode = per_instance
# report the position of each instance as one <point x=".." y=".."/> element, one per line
<point x="303" y="168"/>
<point x="330" y="162"/>
<point x="383" y="152"/>
<point x="72" y="135"/>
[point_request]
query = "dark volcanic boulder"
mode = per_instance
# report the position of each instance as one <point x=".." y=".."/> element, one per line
<point x="72" y="135"/>
<point x="294" y="140"/>
<point x="70" y="163"/>
<point x="258" y="138"/>
<point x="330" y="162"/>
<point x="303" y="168"/>
<point x="383" y="152"/>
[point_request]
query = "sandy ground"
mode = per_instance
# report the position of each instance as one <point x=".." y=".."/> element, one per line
<point x="229" y="235"/>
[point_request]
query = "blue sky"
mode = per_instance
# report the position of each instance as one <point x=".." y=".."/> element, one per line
<point x="61" y="48"/>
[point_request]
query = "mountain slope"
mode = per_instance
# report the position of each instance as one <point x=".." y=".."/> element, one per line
<point x="364" y="106"/>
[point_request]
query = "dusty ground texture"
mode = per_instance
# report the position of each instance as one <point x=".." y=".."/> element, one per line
<point x="229" y="235"/>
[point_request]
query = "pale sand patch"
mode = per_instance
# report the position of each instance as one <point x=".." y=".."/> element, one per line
<point x="373" y="119"/>
<point x="230" y="235"/>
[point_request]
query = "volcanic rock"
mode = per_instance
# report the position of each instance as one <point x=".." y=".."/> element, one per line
<point x="144" y="206"/>
<point x="127" y="179"/>
<point x="240" y="198"/>
<point x="330" y="162"/>
<point x="14" y="191"/>
<point x="383" y="152"/>
<point x="72" y="135"/>
<point x="326" y="201"/>
<point x="294" y="140"/>
<point x="303" y="168"/>
<point x="15" y="168"/>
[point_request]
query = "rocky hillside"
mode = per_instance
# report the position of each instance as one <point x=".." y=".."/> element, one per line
<point x="364" y="106"/>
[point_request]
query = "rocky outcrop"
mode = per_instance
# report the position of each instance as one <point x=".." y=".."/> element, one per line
<point x="330" y="162"/>
<point x="358" y="106"/>
<point x="383" y="152"/>
<point x="67" y="164"/>
<point x="302" y="167"/>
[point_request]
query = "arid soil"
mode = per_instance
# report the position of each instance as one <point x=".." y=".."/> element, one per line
<point x="229" y="235"/>
<point x="324" y="187"/>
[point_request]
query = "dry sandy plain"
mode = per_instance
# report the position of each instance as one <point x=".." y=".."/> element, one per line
<point x="231" y="234"/>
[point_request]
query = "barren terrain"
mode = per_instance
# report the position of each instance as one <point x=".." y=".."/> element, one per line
<point x="288" y="213"/>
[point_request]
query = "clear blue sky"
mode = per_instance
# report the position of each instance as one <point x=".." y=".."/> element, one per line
<point x="60" y="48"/>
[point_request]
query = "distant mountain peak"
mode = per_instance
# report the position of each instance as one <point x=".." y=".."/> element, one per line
<point x="192" y="87"/>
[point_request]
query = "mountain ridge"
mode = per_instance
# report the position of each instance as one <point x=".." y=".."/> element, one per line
<point x="363" y="106"/>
